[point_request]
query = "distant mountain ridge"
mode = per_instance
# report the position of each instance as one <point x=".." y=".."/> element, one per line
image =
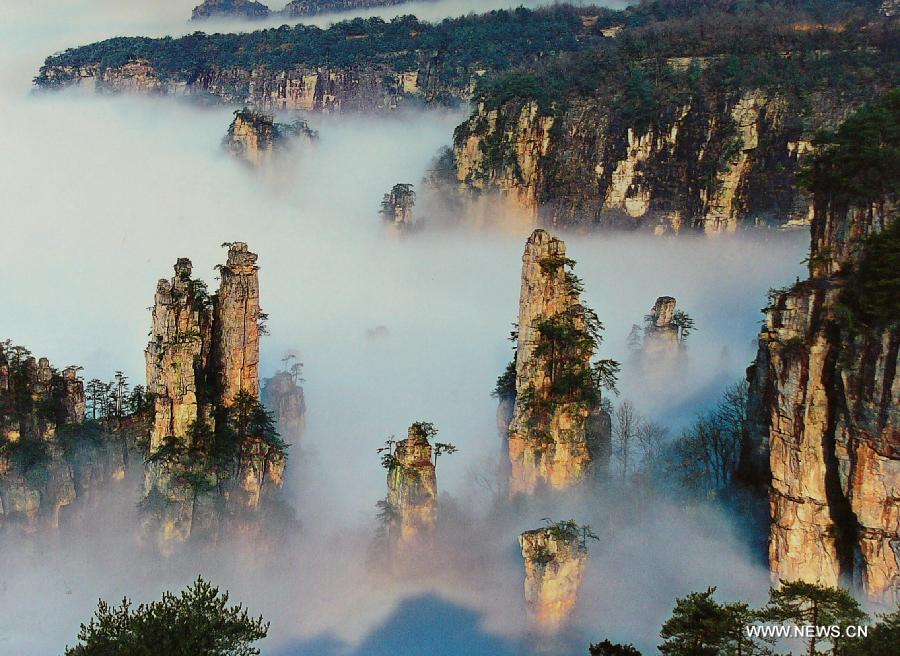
<point x="295" y="9"/>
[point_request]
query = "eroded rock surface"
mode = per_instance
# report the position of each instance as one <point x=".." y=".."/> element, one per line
<point x="558" y="434"/>
<point x="554" y="571"/>
<point x="825" y="410"/>
<point x="412" y="493"/>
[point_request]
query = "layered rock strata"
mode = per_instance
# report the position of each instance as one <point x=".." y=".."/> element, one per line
<point x="557" y="437"/>
<point x="554" y="571"/>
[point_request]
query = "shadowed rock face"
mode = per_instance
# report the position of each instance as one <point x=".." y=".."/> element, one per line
<point x="552" y="442"/>
<point x="824" y="414"/>
<point x="554" y="570"/>
<point x="412" y="493"/>
<point x="285" y="399"/>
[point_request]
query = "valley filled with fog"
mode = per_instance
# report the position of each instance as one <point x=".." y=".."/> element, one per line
<point x="101" y="195"/>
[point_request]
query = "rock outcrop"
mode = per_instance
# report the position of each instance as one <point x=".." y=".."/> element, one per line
<point x="202" y="371"/>
<point x="255" y="137"/>
<point x="397" y="206"/>
<point x="412" y="492"/>
<point x="661" y="335"/>
<point x="284" y="398"/>
<point x="230" y="9"/>
<point x="824" y="392"/>
<point x="554" y="570"/>
<point x="559" y="435"/>
<point x="49" y="459"/>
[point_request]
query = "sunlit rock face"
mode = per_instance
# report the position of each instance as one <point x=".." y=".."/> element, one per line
<point x="203" y="353"/>
<point x="722" y="162"/>
<point x="236" y="321"/>
<point x="554" y="570"/>
<point x="177" y="356"/>
<point x="412" y="493"/>
<point x="552" y="442"/>
<point x="255" y="137"/>
<point x="661" y="334"/>
<point x="824" y="420"/>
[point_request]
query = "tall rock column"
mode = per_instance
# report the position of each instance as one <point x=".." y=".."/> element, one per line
<point x="558" y="429"/>
<point x="554" y="570"/>
<point x="661" y="333"/>
<point x="178" y="354"/>
<point x="824" y="391"/>
<point x="412" y="492"/>
<point x="237" y="316"/>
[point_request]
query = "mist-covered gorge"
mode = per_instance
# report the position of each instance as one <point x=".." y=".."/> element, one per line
<point x="394" y="329"/>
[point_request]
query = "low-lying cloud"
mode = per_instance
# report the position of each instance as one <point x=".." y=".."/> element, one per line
<point x="101" y="195"/>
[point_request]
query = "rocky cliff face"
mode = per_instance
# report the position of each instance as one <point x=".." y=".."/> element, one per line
<point x="554" y="570"/>
<point x="47" y="463"/>
<point x="557" y="433"/>
<point x="202" y="370"/>
<point x="824" y="396"/>
<point x="373" y="88"/>
<point x="716" y="164"/>
<point x="364" y="65"/>
<point x="255" y="137"/>
<point x="412" y="493"/>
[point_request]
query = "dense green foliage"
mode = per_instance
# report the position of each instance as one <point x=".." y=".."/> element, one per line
<point x="882" y="638"/>
<point x="494" y="40"/>
<point x="211" y="457"/>
<point x="856" y="168"/>
<point x="802" y="603"/>
<point x="198" y="622"/>
<point x="859" y="163"/>
<point x="873" y="287"/>
<point x="799" y="46"/>
<point x="701" y="626"/>
<point x="607" y="648"/>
